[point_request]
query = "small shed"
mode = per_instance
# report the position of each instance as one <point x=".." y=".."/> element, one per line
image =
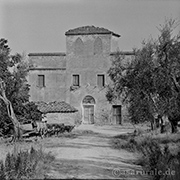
<point x="58" y="112"/>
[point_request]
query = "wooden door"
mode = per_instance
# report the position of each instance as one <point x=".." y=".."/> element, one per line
<point x="89" y="114"/>
<point x="117" y="114"/>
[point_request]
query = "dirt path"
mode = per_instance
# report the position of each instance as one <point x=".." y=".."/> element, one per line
<point x="85" y="153"/>
<point x="90" y="155"/>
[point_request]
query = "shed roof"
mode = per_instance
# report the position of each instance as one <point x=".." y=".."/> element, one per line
<point x="48" y="54"/>
<point x="85" y="30"/>
<point x="55" y="107"/>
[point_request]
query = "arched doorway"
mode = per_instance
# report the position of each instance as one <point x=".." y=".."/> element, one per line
<point x="88" y="109"/>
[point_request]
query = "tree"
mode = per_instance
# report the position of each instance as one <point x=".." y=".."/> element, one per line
<point x="31" y="112"/>
<point x="11" y="115"/>
<point x="151" y="82"/>
<point x="14" y="89"/>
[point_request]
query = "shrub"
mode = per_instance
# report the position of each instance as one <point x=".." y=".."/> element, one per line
<point x="25" y="165"/>
<point x="159" y="160"/>
<point x="168" y="138"/>
<point x="154" y="155"/>
<point x="150" y="151"/>
<point x="130" y="144"/>
<point x="2" y="171"/>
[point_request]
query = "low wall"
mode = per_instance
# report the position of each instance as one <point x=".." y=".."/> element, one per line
<point x="66" y="118"/>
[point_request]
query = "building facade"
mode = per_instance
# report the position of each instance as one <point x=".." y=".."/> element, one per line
<point x="79" y="76"/>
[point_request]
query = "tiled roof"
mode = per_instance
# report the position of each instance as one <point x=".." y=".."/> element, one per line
<point x="55" y="107"/>
<point x="85" y="30"/>
<point x="47" y="54"/>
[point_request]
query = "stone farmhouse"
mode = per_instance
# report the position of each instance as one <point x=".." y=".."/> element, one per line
<point x="78" y="76"/>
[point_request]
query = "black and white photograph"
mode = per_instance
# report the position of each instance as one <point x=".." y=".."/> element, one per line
<point x="90" y="89"/>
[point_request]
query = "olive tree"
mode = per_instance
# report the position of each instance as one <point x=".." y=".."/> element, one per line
<point x="151" y="82"/>
<point x="14" y="91"/>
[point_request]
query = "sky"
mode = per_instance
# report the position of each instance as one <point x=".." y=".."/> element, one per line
<point x="32" y="26"/>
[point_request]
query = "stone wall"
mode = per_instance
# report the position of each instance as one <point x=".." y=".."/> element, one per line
<point x="54" y="89"/>
<point x="66" y="118"/>
<point x="47" y="60"/>
<point x="114" y="44"/>
<point x="88" y="65"/>
<point x="88" y="41"/>
<point x="54" y="70"/>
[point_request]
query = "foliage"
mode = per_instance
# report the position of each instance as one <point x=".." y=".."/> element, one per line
<point x="25" y="165"/>
<point x="2" y="171"/>
<point x="31" y="112"/>
<point x="156" y="155"/>
<point x="133" y="142"/>
<point x="150" y="82"/>
<point x="160" y="160"/>
<point x="13" y="71"/>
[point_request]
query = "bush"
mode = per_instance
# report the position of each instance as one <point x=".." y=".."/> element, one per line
<point x="168" y="138"/>
<point x="151" y="152"/>
<point x="30" y="111"/>
<point x="127" y="141"/>
<point x="155" y="159"/>
<point x="25" y="165"/>
<point x="155" y="154"/>
<point x="2" y="171"/>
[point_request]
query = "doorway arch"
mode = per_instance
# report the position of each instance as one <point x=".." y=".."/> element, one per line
<point x="88" y="109"/>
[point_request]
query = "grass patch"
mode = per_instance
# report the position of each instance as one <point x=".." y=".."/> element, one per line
<point x="132" y="142"/>
<point x="33" y="164"/>
<point x="167" y="138"/>
<point x="160" y="152"/>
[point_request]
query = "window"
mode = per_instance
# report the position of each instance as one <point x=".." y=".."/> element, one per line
<point x="41" y="81"/>
<point x="100" y="80"/>
<point x="75" y="80"/>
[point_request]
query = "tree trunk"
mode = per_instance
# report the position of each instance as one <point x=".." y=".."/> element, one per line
<point x="152" y="126"/>
<point x="173" y="126"/>
<point x="16" y="124"/>
<point x="162" y="124"/>
<point x="11" y="114"/>
<point x="162" y="128"/>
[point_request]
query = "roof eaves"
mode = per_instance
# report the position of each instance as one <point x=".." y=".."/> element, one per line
<point x="47" y="111"/>
<point x="89" y="33"/>
<point x="85" y="33"/>
<point x="47" y="54"/>
<point x="86" y="30"/>
<point x="46" y="69"/>
<point x="123" y="53"/>
<point x="117" y="35"/>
